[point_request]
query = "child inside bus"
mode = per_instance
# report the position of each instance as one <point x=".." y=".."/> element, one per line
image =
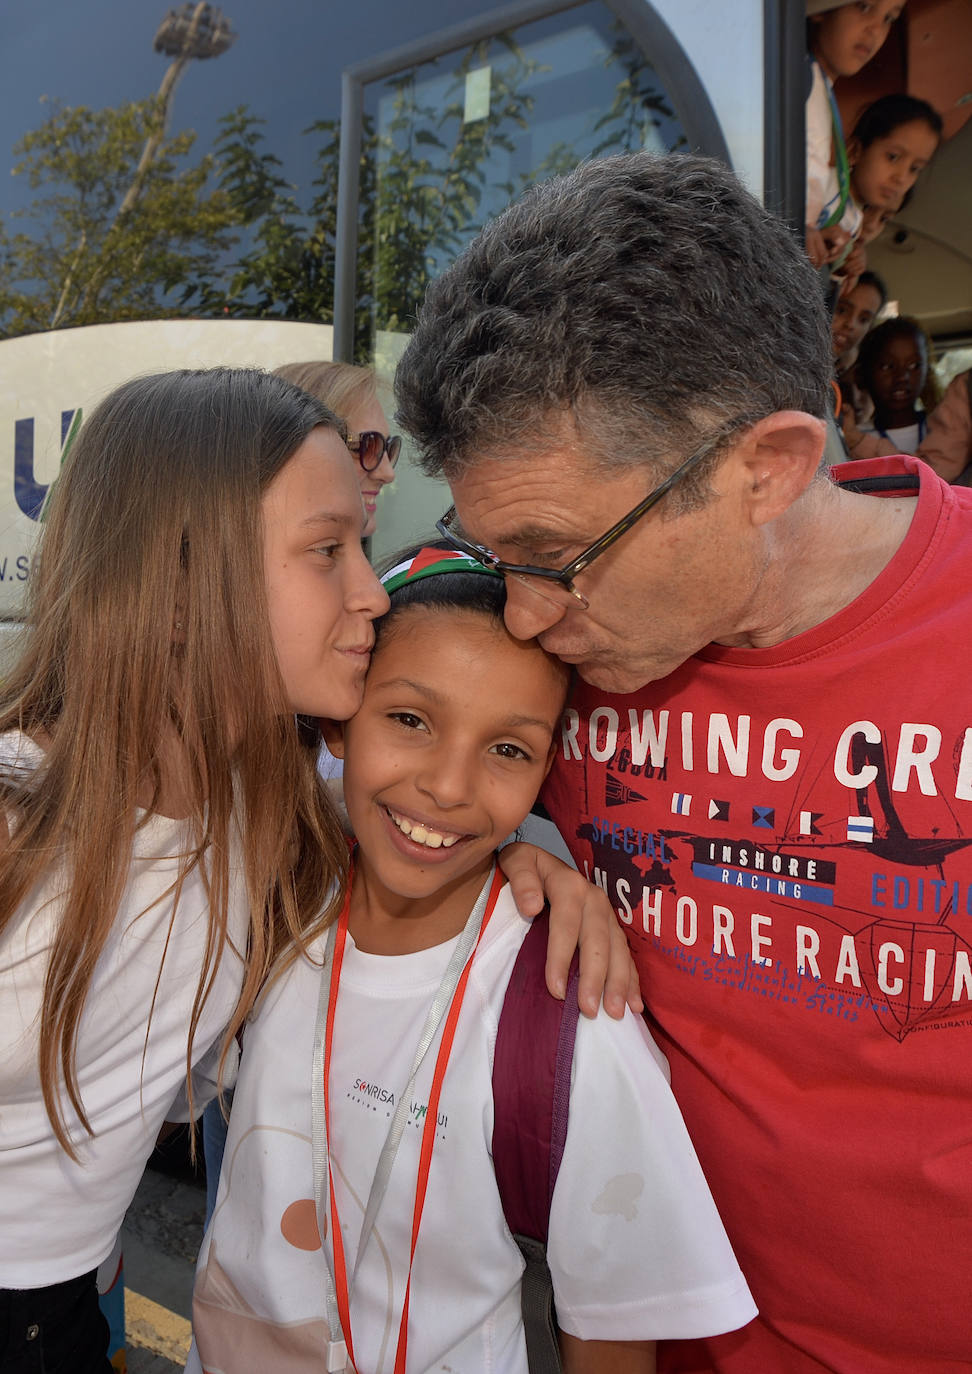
<point x="337" y="1129"/>
<point x="893" y="369"/>
<point x="894" y="140"/>
<point x="841" y="39"/>
<point x="855" y="313"/>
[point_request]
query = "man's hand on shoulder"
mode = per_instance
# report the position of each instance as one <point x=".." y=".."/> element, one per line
<point x="580" y="917"/>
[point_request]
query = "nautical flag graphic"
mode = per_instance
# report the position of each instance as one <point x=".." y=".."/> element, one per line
<point x="718" y="810"/>
<point x="860" y="828"/>
<point x="617" y="793"/>
<point x="808" y="822"/>
<point x="681" y="804"/>
<point x="764" y="817"/>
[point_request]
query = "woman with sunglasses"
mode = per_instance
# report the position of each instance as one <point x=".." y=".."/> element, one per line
<point x="351" y="393"/>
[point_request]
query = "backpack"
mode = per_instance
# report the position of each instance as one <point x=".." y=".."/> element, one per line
<point x="531" y="1098"/>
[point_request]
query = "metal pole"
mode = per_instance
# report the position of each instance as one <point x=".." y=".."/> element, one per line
<point x="346" y="232"/>
<point x="201" y="34"/>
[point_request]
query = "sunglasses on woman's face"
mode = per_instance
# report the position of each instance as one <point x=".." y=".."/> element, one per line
<point x="370" y="446"/>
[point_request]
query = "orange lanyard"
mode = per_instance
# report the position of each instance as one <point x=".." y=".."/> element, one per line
<point x="341" y="1285"/>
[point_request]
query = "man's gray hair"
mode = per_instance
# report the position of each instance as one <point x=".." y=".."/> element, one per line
<point x="647" y="302"/>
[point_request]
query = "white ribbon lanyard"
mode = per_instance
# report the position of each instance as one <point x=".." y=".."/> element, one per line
<point x="337" y="1352"/>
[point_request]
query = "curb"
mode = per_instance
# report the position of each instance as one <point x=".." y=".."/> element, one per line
<point x="155" y="1328"/>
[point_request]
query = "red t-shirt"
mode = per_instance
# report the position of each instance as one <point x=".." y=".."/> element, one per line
<point x="786" y="834"/>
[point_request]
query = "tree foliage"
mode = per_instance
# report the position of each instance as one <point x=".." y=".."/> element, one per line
<point x="83" y="263"/>
<point x="228" y="235"/>
<point x="640" y="116"/>
<point x="434" y="173"/>
<point x="287" y="267"/>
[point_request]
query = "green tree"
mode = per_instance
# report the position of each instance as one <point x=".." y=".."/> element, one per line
<point x="422" y="184"/>
<point x="438" y="175"/>
<point x="640" y="115"/>
<point x="230" y="235"/>
<point x="287" y="271"/>
<point x="84" y="262"/>
<point x="434" y="171"/>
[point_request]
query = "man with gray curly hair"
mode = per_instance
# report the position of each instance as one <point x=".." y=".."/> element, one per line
<point x="767" y="759"/>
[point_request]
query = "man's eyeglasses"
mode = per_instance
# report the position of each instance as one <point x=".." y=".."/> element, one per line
<point x="557" y="584"/>
<point x="370" y="446"/>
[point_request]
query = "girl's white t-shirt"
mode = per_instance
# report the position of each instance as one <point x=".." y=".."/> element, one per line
<point x="905" y="439"/>
<point x="59" y="1218"/>
<point x="636" y="1248"/>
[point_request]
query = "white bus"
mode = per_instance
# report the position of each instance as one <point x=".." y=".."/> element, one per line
<point x="276" y="183"/>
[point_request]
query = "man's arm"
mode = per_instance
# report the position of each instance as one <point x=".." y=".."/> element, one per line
<point x="580" y="916"/>
<point x="606" y="1357"/>
<point x="860" y="444"/>
<point x="947" y="447"/>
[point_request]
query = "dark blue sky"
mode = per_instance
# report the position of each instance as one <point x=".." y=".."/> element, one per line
<point x="286" y="63"/>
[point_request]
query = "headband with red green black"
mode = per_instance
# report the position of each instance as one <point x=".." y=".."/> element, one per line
<point x="431" y="563"/>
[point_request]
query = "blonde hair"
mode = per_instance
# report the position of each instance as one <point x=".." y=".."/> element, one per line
<point x="148" y="622"/>
<point x="342" y="387"/>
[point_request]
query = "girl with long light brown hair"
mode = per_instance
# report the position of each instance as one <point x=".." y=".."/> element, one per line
<point x="200" y="587"/>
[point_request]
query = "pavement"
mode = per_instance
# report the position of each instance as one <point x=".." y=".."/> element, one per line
<point x="160" y="1240"/>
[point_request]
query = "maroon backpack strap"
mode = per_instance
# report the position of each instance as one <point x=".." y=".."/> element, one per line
<point x="531" y="1099"/>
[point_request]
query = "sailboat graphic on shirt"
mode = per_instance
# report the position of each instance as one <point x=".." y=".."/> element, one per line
<point x="910" y="939"/>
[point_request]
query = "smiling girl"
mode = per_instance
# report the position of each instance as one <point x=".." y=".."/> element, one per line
<point x="364" y="1110"/>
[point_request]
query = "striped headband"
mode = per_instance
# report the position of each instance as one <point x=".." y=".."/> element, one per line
<point x="430" y="563"/>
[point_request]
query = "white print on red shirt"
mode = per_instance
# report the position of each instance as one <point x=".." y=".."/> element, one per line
<point x="831" y="882"/>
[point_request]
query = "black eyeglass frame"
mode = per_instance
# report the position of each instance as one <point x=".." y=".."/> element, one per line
<point x="565" y="576"/>
<point x="389" y="443"/>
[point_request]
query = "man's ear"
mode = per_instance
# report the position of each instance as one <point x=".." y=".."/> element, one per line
<point x="333" y="732"/>
<point x="779" y="456"/>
